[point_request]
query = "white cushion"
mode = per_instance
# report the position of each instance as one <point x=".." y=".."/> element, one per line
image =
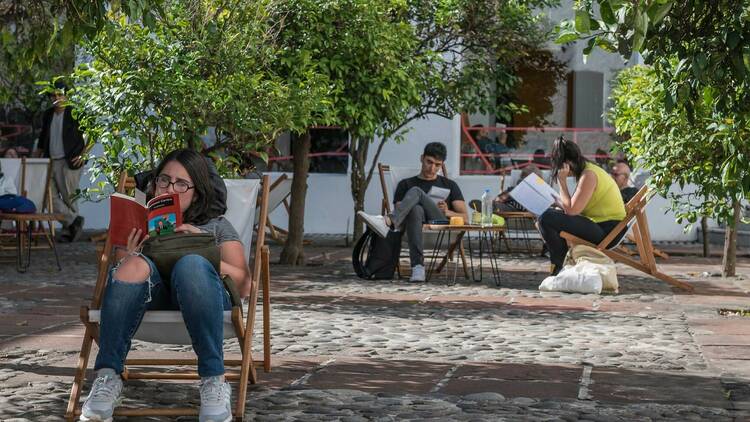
<point x="167" y="327"/>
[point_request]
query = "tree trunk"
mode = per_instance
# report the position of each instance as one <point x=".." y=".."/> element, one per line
<point x="293" y="253"/>
<point x="704" y="235"/>
<point x="358" y="152"/>
<point x="729" y="263"/>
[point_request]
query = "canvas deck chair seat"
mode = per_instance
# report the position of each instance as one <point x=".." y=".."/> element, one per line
<point x="168" y="327"/>
<point x="635" y="219"/>
<point x="34" y="184"/>
<point x="280" y="190"/>
<point x="389" y="178"/>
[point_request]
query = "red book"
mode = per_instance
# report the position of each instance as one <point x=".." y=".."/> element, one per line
<point x="158" y="216"/>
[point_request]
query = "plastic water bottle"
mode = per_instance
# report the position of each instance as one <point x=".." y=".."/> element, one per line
<point x="486" y="208"/>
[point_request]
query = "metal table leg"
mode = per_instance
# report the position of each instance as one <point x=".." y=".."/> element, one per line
<point x="471" y="257"/>
<point x="54" y="247"/>
<point x="435" y="253"/>
<point x="494" y="264"/>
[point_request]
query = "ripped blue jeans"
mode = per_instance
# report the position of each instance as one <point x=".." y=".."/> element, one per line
<point x="195" y="289"/>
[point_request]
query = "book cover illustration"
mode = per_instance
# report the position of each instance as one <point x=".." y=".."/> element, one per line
<point x="158" y="217"/>
<point x="162" y="216"/>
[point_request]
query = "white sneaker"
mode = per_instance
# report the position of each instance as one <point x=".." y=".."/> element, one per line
<point x="417" y="273"/>
<point x="216" y="397"/>
<point x="104" y="396"/>
<point x="376" y="223"/>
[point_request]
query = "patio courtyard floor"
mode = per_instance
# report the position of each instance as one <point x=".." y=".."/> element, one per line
<point x="354" y="350"/>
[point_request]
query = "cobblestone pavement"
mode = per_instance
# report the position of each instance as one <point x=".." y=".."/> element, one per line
<point x="353" y="350"/>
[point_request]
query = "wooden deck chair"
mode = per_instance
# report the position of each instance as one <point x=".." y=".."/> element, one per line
<point x="281" y="189"/>
<point x="627" y="250"/>
<point x="168" y="326"/>
<point x="35" y="179"/>
<point x="635" y="216"/>
<point x="389" y="178"/>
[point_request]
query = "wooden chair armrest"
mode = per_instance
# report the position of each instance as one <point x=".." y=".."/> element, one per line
<point x="515" y="214"/>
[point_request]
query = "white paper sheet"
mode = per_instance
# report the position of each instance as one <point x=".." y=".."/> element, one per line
<point x="534" y="194"/>
<point x="438" y="194"/>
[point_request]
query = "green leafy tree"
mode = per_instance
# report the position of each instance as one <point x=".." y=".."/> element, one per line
<point x="150" y="89"/>
<point x="699" y="51"/>
<point x="358" y="46"/>
<point x="24" y="35"/>
<point x="469" y="52"/>
<point x="37" y="40"/>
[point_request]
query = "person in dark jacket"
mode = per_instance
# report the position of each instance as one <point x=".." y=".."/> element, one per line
<point x="62" y="140"/>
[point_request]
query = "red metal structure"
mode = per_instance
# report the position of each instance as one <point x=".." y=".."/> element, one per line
<point x="489" y="166"/>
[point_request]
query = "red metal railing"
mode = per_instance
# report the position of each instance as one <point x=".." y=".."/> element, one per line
<point x="17" y="130"/>
<point x="485" y="157"/>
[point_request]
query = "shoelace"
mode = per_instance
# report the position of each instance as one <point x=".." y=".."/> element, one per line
<point x="212" y="391"/>
<point x="103" y="388"/>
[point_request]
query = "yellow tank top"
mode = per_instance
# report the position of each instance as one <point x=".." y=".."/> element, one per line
<point x="606" y="202"/>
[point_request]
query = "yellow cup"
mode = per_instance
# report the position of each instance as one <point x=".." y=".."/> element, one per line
<point x="457" y="221"/>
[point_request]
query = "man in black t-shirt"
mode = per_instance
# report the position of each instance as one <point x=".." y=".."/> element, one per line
<point x="414" y="207"/>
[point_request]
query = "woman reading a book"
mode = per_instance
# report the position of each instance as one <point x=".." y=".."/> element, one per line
<point x="590" y="212"/>
<point x="195" y="288"/>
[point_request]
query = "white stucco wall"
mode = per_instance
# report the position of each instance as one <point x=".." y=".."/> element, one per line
<point x="329" y="206"/>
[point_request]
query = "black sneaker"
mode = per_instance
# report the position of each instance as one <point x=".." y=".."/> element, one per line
<point x="76" y="228"/>
<point x="545" y="251"/>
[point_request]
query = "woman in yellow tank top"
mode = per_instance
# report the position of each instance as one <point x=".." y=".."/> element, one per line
<point x="590" y="212"/>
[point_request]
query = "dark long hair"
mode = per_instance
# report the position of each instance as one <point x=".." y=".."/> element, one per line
<point x="199" y="212"/>
<point x="566" y="151"/>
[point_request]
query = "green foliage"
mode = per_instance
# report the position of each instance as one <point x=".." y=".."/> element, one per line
<point x="707" y="151"/>
<point x="474" y="49"/>
<point x="699" y="51"/>
<point x="358" y="45"/>
<point x="25" y="36"/>
<point x="148" y="90"/>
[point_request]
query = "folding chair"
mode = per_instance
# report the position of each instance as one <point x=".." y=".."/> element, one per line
<point x="168" y="326"/>
<point x="389" y="178"/>
<point x="36" y="174"/>
<point x="281" y="189"/>
<point x="635" y="216"/>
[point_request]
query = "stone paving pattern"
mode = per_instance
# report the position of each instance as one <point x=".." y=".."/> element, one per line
<point x="353" y="350"/>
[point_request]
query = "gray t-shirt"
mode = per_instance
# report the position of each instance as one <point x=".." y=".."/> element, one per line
<point x="221" y="228"/>
<point x="56" y="148"/>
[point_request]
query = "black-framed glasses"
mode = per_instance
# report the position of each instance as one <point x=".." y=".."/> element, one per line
<point x="180" y="186"/>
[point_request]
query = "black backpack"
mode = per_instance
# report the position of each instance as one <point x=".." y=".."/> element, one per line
<point x="374" y="257"/>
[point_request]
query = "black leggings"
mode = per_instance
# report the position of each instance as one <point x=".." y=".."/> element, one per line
<point x="554" y="221"/>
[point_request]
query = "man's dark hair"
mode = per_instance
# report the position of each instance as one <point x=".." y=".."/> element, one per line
<point x="200" y="211"/>
<point x="435" y="150"/>
<point x="60" y="85"/>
